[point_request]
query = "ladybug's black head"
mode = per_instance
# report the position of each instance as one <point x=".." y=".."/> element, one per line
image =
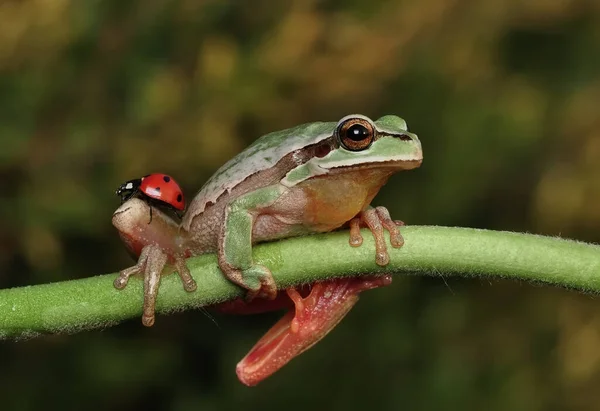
<point x="128" y="189"/>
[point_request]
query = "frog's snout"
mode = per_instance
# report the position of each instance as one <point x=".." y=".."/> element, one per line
<point x="130" y="213"/>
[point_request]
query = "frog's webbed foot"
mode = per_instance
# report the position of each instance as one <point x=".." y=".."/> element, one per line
<point x="376" y="219"/>
<point x="301" y="328"/>
<point x="150" y="265"/>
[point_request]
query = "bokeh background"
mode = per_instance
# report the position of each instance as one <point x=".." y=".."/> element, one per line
<point x="505" y="96"/>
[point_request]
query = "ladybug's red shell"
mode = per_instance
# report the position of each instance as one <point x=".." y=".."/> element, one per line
<point x="163" y="188"/>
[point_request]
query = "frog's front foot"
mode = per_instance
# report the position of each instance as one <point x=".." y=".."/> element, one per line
<point x="150" y="265"/>
<point x="376" y="219"/>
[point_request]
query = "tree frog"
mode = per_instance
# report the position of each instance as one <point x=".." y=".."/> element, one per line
<point x="311" y="178"/>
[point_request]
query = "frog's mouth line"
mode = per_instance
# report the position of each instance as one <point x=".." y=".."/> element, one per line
<point x="300" y="173"/>
<point x="121" y="210"/>
<point x="396" y="164"/>
<point x="130" y="206"/>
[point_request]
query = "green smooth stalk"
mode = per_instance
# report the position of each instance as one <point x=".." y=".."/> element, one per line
<point x="71" y="306"/>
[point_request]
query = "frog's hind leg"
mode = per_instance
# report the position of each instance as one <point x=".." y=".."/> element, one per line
<point x="313" y="317"/>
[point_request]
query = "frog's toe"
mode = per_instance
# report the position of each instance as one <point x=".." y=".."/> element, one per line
<point x="120" y="282"/>
<point x="268" y="287"/>
<point x="257" y="279"/>
<point x="382" y="258"/>
<point x="391" y="226"/>
<point x="189" y="284"/>
<point x="148" y="320"/>
<point x="377" y="219"/>
<point x="356" y="239"/>
<point x="123" y="278"/>
<point x="154" y="265"/>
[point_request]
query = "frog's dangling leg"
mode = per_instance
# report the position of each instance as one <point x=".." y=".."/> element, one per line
<point x="235" y="243"/>
<point x="301" y="328"/>
<point x="376" y="219"/>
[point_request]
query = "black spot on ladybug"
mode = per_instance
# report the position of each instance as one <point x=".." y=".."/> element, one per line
<point x="167" y="179"/>
<point x="158" y="189"/>
<point x="179" y="198"/>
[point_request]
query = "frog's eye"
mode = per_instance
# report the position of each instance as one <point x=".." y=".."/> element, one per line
<point x="356" y="134"/>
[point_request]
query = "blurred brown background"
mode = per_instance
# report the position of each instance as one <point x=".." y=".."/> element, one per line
<point x="505" y="96"/>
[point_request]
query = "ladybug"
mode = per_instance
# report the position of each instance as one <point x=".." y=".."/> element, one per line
<point x="158" y="189"/>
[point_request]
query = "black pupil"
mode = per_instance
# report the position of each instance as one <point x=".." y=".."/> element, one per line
<point x="357" y="132"/>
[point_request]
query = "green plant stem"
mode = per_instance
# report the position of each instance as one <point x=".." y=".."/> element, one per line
<point x="70" y="306"/>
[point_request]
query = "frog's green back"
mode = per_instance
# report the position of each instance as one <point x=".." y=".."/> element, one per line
<point x="264" y="153"/>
